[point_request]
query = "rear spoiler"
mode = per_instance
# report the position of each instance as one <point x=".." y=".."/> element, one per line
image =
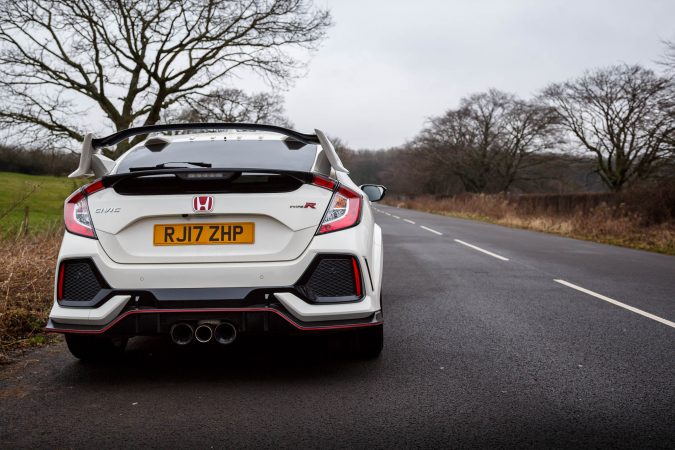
<point x="93" y="163"/>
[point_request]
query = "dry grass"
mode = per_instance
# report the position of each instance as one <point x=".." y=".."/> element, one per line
<point x="641" y="221"/>
<point x="26" y="290"/>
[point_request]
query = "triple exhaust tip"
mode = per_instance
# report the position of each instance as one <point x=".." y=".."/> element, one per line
<point x="183" y="333"/>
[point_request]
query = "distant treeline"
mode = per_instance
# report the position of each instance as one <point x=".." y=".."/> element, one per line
<point x="400" y="169"/>
<point x="405" y="173"/>
<point x="37" y="161"/>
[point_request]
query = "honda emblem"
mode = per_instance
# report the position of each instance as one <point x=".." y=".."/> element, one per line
<point x="202" y="203"/>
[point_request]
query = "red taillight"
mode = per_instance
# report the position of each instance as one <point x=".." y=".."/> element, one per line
<point x="357" y="277"/>
<point x="93" y="187"/>
<point x="323" y="182"/>
<point x="344" y="211"/>
<point x="76" y="211"/>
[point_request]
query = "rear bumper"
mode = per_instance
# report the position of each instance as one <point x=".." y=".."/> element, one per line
<point x="207" y="302"/>
<point x="141" y="299"/>
<point x="225" y="275"/>
<point x="255" y="320"/>
<point x="153" y="311"/>
<point x="113" y="310"/>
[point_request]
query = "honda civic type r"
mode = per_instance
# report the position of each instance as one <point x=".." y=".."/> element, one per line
<point x="219" y="231"/>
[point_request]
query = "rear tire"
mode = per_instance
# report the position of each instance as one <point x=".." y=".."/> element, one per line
<point x="367" y="342"/>
<point x="95" y="348"/>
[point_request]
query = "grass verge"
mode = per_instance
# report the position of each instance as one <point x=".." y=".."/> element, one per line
<point x="43" y="195"/>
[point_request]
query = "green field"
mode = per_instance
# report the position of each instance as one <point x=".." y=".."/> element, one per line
<point x="45" y="203"/>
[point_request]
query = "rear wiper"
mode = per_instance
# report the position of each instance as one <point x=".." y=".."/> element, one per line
<point x="166" y="165"/>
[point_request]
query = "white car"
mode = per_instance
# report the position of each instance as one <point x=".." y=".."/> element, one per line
<point x="237" y="229"/>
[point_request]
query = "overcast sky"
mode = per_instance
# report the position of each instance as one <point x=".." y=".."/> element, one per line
<point x="388" y="65"/>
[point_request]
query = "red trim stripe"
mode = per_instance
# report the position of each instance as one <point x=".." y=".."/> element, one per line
<point x="209" y="310"/>
<point x="357" y="277"/>
<point x="59" y="290"/>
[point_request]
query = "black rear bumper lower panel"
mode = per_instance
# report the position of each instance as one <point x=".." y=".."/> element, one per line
<point x="252" y="319"/>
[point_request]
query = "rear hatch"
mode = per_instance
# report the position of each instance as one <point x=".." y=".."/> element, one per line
<point x="194" y="214"/>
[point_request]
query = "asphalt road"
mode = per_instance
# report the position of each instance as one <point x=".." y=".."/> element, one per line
<point x="481" y="350"/>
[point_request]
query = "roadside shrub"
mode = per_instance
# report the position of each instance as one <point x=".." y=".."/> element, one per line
<point x="641" y="217"/>
<point x="26" y="289"/>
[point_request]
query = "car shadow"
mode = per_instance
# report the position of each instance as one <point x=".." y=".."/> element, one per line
<point x="261" y="359"/>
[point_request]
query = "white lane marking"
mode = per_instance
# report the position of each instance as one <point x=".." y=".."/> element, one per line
<point x="617" y="303"/>
<point x="494" y="255"/>
<point x="395" y="217"/>
<point x="409" y="221"/>
<point x="433" y="231"/>
<point x="388" y="214"/>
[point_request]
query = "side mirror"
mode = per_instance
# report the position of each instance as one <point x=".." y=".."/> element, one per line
<point x="375" y="192"/>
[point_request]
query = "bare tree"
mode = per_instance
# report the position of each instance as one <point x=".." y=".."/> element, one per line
<point x="623" y="115"/>
<point x="668" y="60"/>
<point x="528" y="129"/>
<point x="232" y="105"/>
<point x="128" y="60"/>
<point x="486" y="141"/>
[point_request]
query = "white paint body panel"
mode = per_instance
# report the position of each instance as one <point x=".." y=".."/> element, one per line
<point x="212" y="275"/>
<point x="102" y="315"/>
<point x="312" y="313"/>
<point x="282" y="232"/>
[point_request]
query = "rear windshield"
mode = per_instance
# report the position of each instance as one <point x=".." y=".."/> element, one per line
<point x="230" y="154"/>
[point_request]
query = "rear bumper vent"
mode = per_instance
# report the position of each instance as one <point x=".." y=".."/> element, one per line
<point x="79" y="281"/>
<point x="332" y="278"/>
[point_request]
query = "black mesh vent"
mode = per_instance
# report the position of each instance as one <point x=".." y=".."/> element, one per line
<point x="79" y="282"/>
<point x="333" y="278"/>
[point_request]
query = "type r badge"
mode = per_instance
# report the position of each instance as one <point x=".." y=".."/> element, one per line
<point x="311" y="205"/>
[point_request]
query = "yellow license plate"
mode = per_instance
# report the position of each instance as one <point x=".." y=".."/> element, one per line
<point x="204" y="233"/>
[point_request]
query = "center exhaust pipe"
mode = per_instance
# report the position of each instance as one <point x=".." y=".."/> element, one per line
<point x="182" y="333"/>
<point x="225" y="333"/>
<point x="204" y="333"/>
